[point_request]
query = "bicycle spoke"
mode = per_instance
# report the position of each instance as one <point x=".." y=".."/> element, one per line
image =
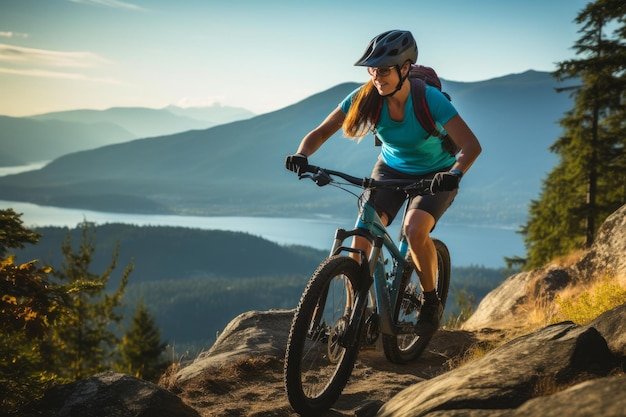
<point x="323" y="352"/>
<point x="319" y="360"/>
<point x="409" y="311"/>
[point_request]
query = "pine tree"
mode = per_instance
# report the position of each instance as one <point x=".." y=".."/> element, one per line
<point x="589" y="181"/>
<point x="29" y="304"/>
<point x="13" y="234"/>
<point x="141" y="347"/>
<point x="85" y="341"/>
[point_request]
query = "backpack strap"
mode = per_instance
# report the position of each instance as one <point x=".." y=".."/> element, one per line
<point x="377" y="141"/>
<point x="423" y="115"/>
<point x="420" y="107"/>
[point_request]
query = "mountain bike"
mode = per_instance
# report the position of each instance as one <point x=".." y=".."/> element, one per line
<point x="347" y="303"/>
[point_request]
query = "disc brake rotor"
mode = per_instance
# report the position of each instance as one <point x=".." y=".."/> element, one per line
<point x="335" y="349"/>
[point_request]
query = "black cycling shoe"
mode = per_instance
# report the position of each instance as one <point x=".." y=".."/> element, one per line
<point x="428" y="320"/>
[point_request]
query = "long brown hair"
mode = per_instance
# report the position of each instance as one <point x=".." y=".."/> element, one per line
<point x="363" y="112"/>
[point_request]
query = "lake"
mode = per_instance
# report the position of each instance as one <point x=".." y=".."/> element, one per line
<point x="468" y="244"/>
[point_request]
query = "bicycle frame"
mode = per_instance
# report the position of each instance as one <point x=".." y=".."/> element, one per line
<point x="369" y="225"/>
<point x="347" y="302"/>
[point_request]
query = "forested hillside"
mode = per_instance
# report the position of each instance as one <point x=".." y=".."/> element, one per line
<point x="160" y="253"/>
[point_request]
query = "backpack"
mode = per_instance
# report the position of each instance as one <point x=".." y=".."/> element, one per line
<point x="420" y="76"/>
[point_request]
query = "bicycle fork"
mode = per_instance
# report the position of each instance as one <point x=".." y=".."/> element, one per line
<point x="355" y="323"/>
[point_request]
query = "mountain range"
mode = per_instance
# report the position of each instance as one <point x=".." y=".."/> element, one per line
<point x="144" y="122"/>
<point x="236" y="168"/>
<point x="45" y="137"/>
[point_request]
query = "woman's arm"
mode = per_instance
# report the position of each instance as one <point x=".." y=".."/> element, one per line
<point x="465" y="139"/>
<point x="316" y="138"/>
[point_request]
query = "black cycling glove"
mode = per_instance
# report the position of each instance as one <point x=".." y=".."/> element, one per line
<point x="446" y="181"/>
<point x="297" y="163"/>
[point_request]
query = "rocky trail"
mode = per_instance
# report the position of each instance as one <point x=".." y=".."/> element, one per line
<point x="255" y="387"/>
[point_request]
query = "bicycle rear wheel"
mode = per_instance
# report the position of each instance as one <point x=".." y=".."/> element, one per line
<point x="406" y="347"/>
<point x="318" y="362"/>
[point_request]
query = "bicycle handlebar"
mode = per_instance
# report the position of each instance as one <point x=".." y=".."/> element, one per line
<point x="323" y="176"/>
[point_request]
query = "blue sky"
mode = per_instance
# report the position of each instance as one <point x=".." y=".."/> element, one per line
<point x="258" y="54"/>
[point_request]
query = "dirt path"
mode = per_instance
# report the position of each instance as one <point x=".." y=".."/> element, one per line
<point x="254" y="387"/>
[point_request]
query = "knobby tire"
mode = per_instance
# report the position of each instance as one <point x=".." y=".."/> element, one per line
<point x="317" y="366"/>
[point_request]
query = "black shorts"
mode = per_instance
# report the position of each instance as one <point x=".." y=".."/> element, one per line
<point x="390" y="201"/>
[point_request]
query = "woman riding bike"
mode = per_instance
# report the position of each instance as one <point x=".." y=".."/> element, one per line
<point x="405" y="154"/>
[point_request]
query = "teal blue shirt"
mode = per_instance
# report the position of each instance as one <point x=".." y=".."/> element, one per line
<point x="406" y="146"/>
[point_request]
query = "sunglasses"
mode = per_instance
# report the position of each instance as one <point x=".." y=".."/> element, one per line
<point x="381" y="71"/>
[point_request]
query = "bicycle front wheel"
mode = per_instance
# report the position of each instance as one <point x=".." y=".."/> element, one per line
<point x="318" y="361"/>
<point x="406" y="347"/>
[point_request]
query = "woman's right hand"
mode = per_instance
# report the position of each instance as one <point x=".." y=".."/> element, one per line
<point x="297" y="163"/>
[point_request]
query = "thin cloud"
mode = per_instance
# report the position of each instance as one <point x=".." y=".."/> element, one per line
<point x="41" y="57"/>
<point x="41" y="63"/>
<point x="58" y="75"/>
<point x="117" y="4"/>
<point x="13" y="35"/>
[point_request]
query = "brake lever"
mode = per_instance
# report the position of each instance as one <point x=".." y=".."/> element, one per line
<point x="320" y="177"/>
<point x="421" y="187"/>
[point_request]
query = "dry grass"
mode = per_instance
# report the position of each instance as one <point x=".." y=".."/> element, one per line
<point x="548" y="385"/>
<point x="474" y="352"/>
<point x="168" y="379"/>
<point x="580" y="302"/>
<point x="537" y="312"/>
<point x="587" y="302"/>
<point x="249" y="368"/>
<point x="243" y="369"/>
<point x="570" y="259"/>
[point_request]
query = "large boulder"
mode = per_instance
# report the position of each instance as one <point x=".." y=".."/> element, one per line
<point x="607" y="256"/>
<point x="109" y="395"/>
<point x="518" y="378"/>
<point x="251" y="334"/>
<point x="611" y="326"/>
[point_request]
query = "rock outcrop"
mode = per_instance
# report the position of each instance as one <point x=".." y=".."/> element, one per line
<point x="507" y="303"/>
<point x="608" y="253"/>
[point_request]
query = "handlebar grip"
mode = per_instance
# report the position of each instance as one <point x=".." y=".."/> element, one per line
<point x="313" y="169"/>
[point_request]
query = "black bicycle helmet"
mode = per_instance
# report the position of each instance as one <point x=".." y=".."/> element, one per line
<point x="391" y="48"/>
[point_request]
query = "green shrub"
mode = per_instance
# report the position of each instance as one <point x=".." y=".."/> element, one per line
<point x="605" y="295"/>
